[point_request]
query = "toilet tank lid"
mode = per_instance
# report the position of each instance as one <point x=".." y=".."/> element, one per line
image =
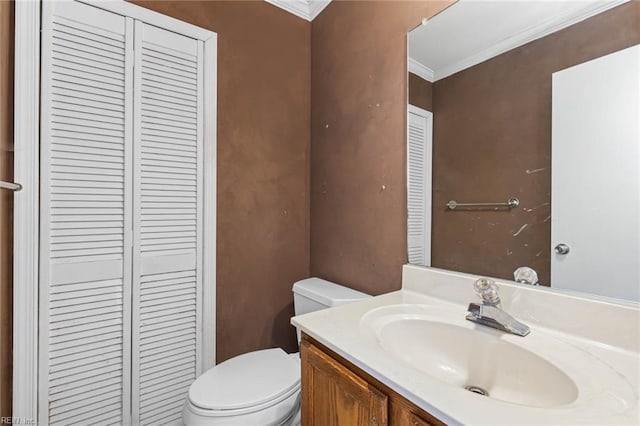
<point x="326" y="292"/>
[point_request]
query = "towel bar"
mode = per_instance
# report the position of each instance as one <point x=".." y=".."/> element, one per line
<point x="511" y="203"/>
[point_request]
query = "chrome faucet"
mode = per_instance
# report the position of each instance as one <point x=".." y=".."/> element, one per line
<point x="489" y="312"/>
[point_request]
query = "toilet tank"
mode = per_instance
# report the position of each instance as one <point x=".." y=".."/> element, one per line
<point x="313" y="294"/>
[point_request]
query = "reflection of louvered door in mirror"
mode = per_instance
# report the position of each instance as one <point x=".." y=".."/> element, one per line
<point x="419" y="152"/>
<point x="121" y="218"/>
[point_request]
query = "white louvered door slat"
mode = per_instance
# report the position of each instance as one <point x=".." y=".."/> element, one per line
<point x="86" y="150"/>
<point x="419" y="186"/>
<point x="167" y="222"/>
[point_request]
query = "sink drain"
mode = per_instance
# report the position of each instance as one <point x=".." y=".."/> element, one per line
<point x="477" y="390"/>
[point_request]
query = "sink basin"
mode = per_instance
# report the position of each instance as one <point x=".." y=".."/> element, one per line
<point x="478" y="361"/>
<point x="473" y="357"/>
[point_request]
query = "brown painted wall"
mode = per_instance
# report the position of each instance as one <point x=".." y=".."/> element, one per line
<point x="420" y="92"/>
<point x="492" y="124"/>
<point x="263" y="166"/>
<point x="358" y="110"/>
<point x="6" y="203"/>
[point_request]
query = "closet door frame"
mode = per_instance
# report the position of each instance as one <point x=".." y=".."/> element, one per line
<point x="27" y="207"/>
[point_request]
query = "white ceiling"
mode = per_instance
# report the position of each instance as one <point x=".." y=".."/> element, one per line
<point x="305" y="9"/>
<point x="472" y="31"/>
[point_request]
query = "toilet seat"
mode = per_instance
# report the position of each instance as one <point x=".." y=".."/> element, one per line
<point x="284" y="413"/>
<point x="247" y="383"/>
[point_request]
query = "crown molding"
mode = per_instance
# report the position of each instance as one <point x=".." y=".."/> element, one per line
<point x="420" y="70"/>
<point x="317" y="6"/>
<point x="530" y="34"/>
<point x="305" y="9"/>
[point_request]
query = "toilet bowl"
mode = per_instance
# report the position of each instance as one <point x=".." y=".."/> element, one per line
<point x="260" y="388"/>
<point x="256" y="388"/>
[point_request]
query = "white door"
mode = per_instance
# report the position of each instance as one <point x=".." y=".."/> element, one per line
<point x="419" y="153"/>
<point x="122" y="185"/>
<point x="85" y="257"/>
<point x="595" y="212"/>
<point x="167" y="222"/>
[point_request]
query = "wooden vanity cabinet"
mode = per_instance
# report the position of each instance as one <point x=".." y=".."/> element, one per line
<point x="336" y="393"/>
<point x="333" y="395"/>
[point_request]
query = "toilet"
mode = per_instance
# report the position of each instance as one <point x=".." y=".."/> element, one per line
<point x="261" y="388"/>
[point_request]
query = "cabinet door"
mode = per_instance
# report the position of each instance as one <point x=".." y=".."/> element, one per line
<point x="333" y="395"/>
<point x="402" y="414"/>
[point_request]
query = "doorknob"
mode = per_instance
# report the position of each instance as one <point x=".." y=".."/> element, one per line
<point x="562" y="249"/>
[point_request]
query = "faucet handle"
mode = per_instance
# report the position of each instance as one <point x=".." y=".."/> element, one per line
<point x="487" y="290"/>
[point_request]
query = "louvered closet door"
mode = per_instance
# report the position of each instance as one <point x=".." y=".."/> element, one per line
<point x="419" y="186"/>
<point x="85" y="268"/>
<point x="167" y="222"/>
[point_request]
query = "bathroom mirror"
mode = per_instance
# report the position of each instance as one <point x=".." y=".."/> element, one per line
<point x="523" y="143"/>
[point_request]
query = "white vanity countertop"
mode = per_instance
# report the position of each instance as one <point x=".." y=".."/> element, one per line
<point x="594" y="343"/>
